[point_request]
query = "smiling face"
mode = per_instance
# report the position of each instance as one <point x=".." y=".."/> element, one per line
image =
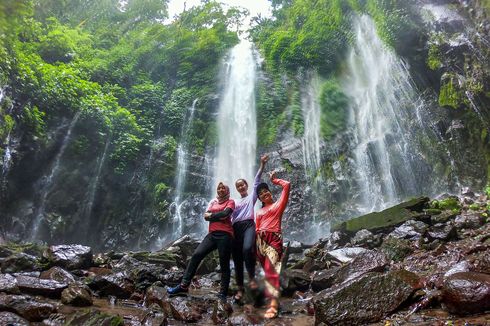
<point x="265" y="196"/>
<point x="242" y="187"/>
<point x="222" y="191"/>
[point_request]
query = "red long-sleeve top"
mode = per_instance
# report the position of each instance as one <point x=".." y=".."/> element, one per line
<point x="269" y="218"/>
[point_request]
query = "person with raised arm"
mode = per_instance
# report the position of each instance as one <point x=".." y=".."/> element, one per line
<point x="269" y="239"/>
<point x="244" y="229"/>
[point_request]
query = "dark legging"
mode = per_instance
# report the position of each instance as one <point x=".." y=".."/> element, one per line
<point x="215" y="240"/>
<point x="244" y="249"/>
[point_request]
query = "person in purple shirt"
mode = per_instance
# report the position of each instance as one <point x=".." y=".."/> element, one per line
<point x="243" y="249"/>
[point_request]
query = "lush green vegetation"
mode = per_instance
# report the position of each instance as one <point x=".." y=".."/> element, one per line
<point x="128" y="75"/>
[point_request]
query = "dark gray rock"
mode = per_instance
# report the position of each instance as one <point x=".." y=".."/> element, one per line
<point x="468" y="221"/>
<point x="365" y="238"/>
<point x="69" y="256"/>
<point x="366" y="299"/>
<point x="20" y="262"/>
<point x="324" y="279"/>
<point x="8" y="284"/>
<point x="37" y="286"/>
<point x="369" y="261"/>
<point x="294" y="280"/>
<point x="93" y="317"/>
<point x="443" y="232"/>
<point x="9" y="318"/>
<point x="345" y="255"/>
<point x="412" y="230"/>
<point x="115" y="284"/>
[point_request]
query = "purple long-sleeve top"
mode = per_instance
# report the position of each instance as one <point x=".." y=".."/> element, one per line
<point x="244" y="207"/>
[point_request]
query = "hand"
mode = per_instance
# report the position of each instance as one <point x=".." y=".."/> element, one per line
<point x="264" y="158"/>
<point x="272" y="175"/>
<point x="207" y="216"/>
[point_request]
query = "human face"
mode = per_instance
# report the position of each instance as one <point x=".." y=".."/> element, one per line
<point x="265" y="196"/>
<point x="222" y="191"/>
<point x="241" y="187"/>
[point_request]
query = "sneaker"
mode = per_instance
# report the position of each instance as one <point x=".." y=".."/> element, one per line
<point x="179" y="289"/>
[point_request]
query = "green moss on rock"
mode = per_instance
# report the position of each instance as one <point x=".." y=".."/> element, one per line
<point x="390" y="217"/>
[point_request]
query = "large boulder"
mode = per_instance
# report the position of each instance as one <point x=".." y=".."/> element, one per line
<point x="9" y="318"/>
<point x="32" y="309"/>
<point x="56" y="273"/>
<point x="37" y="286"/>
<point x="366" y="299"/>
<point x="8" y="284"/>
<point x="69" y="256"/>
<point x="466" y="293"/>
<point x="20" y="262"/>
<point x="386" y="219"/>
<point x="295" y="280"/>
<point x="115" y="284"/>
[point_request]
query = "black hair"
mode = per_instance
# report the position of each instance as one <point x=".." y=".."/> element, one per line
<point x="245" y="181"/>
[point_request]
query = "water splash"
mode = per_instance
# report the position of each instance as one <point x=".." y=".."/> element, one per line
<point x="49" y="180"/>
<point x="237" y="126"/>
<point x="380" y="87"/>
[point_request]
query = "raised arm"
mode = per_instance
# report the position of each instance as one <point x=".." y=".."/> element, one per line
<point x="263" y="160"/>
<point x="282" y="202"/>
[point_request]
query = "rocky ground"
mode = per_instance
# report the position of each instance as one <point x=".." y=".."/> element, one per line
<point x="422" y="262"/>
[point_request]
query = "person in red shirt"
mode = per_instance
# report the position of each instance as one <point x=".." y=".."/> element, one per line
<point x="219" y="237"/>
<point x="269" y="238"/>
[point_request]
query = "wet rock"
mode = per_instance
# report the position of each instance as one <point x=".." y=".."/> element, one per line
<point x="460" y="267"/>
<point x="336" y="239"/>
<point x="323" y="279"/>
<point x="444" y="217"/>
<point x="77" y="295"/>
<point x="56" y="273"/>
<point x="37" y="286"/>
<point x="295" y="280"/>
<point x="8" y="284"/>
<point x="221" y="313"/>
<point x="155" y="294"/>
<point x="20" y="262"/>
<point x="466" y="293"/>
<point x="412" y="230"/>
<point x="97" y="271"/>
<point x="363" y="300"/>
<point x="386" y="219"/>
<point x="365" y="238"/>
<point x="370" y="261"/>
<point x="115" y="284"/>
<point x="468" y="221"/>
<point x="345" y="255"/>
<point x="93" y="317"/>
<point x="29" y="308"/>
<point x="155" y="319"/>
<point x="443" y="232"/>
<point x="184" y="247"/>
<point x="466" y="191"/>
<point x="9" y="318"/>
<point x="69" y="256"/>
<point x="143" y="274"/>
<point x="396" y="249"/>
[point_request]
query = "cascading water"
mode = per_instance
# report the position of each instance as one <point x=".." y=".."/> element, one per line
<point x="49" y="180"/>
<point x="311" y="116"/>
<point x="182" y="163"/>
<point x="383" y="98"/>
<point x="237" y="125"/>
<point x="92" y="189"/>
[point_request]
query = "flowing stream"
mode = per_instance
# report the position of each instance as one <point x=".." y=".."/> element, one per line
<point x="237" y="125"/>
<point x="49" y="180"/>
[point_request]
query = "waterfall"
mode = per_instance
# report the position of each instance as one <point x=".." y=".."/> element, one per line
<point x="237" y="125"/>
<point x="311" y="116"/>
<point x="7" y="155"/>
<point x="182" y="163"/>
<point x="383" y="97"/>
<point x="49" y="180"/>
<point x="92" y="188"/>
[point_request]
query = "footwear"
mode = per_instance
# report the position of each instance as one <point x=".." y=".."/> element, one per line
<point x="179" y="289"/>
<point x="271" y="313"/>
<point x="238" y="296"/>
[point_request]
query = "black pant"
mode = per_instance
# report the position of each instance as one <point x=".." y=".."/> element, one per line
<point x="215" y="240"/>
<point x="244" y="249"/>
